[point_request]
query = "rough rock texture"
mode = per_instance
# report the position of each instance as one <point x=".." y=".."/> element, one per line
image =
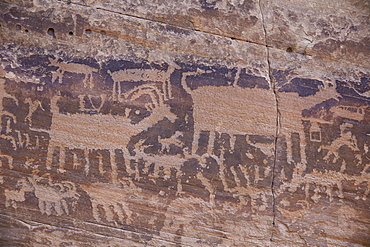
<point x="191" y="123"/>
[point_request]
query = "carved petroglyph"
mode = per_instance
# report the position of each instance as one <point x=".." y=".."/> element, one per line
<point x="289" y="115"/>
<point x="52" y="196"/>
<point x="230" y="109"/>
<point x="63" y="67"/>
<point x="25" y="78"/>
<point x="173" y="140"/>
<point x="19" y="139"/>
<point x="324" y="165"/>
<point x="127" y="206"/>
<point x="346" y="138"/>
<point x="120" y="146"/>
<point x="351" y="112"/>
<point x="7" y="119"/>
<point x="90" y="103"/>
<point x="325" y="184"/>
<point x="363" y="94"/>
<point x="14" y="196"/>
<point x="112" y="200"/>
<point x="5" y="161"/>
<point x="236" y="172"/>
<point x="143" y="107"/>
<point x="140" y="75"/>
<point x="34" y="104"/>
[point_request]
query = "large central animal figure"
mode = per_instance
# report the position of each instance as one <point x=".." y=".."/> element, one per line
<point x="105" y="122"/>
<point x="230" y="109"/>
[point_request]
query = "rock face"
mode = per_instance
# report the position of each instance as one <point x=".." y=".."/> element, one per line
<point x="193" y="123"/>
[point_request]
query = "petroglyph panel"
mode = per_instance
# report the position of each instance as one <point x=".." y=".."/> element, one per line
<point x="120" y="130"/>
<point x="323" y="158"/>
<point x="121" y="134"/>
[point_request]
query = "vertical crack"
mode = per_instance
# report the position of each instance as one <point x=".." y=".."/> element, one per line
<point x="277" y="126"/>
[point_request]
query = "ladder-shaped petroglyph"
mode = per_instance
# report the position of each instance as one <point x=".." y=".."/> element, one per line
<point x="7" y="119"/>
<point x="329" y="185"/>
<point x="139" y="75"/>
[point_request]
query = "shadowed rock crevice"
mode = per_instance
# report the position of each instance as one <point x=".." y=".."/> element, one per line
<point x="274" y="91"/>
<point x="174" y="26"/>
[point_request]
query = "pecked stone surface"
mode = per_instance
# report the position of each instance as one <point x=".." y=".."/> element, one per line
<point x="234" y="19"/>
<point x="173" y="124"/>
<point x="322" y="162"/>
<point x="326" y="30"/>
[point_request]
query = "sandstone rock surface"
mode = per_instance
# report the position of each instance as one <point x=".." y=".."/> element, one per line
<point x="194" y="123"/>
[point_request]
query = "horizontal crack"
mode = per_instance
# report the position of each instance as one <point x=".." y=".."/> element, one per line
<point x="189" y="29"/>
<point x="33" y="225"/>
<point x="162" y="22"/>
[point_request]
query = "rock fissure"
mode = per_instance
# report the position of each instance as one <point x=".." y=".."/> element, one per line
<point x="177" y="26"/>
<point x="277" y="126"/>
<point x="162" y="22"/>
<point x="150" y="124"/>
